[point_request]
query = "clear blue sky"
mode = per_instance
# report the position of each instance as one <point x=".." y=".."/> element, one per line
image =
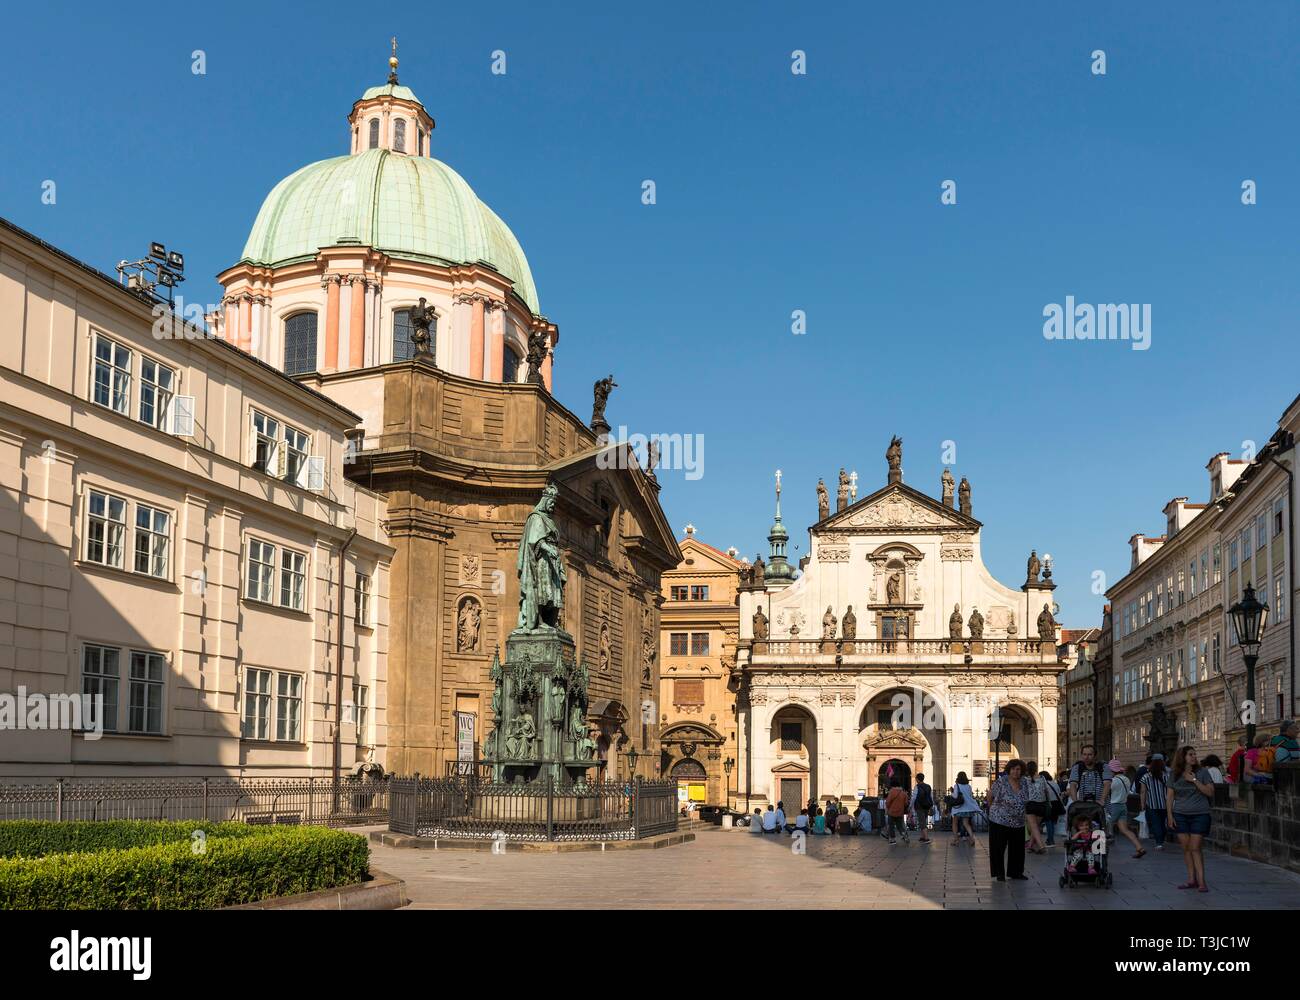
<point x="775" y="192"/>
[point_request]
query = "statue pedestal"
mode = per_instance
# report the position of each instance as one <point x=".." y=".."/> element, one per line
<point x="541" y="708"/>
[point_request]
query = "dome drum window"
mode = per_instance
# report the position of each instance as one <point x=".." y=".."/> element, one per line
<point x="300" y="343"/>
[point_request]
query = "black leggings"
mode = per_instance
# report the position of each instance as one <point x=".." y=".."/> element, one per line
<point x="1006" y="844"/>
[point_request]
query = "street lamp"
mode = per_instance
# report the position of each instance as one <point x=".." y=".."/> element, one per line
<point x="727" y="765"/>
<point x="1249" y="617"/>
<point x="631" y="762"/>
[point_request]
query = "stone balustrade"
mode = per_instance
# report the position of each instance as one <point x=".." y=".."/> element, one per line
<point x="1260" y="822"/>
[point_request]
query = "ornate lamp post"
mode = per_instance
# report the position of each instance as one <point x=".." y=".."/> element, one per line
<point x="631" y="762"/>
<point x="727" y="765"/>
<point x="1249" y="617"/>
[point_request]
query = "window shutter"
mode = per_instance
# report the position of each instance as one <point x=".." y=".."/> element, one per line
<point x="280" y="458"/>
<point x="182" y="416"/>
<point x="316" y="473"/>
<point x="252" y="440"/>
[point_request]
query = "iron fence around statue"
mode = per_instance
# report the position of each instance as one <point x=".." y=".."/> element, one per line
<point x="465" y="806"/>
<point x="313" y="801"/>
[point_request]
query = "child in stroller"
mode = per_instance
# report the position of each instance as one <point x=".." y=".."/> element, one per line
<point x="1086" y="859"/>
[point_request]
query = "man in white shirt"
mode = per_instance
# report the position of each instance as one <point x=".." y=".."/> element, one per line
<point x="769" y="821"/>
<point x="780" y="816"/>
<point x="801" y="821"/>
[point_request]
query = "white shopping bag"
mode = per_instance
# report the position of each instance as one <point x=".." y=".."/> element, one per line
<point x="1143" y="834"/>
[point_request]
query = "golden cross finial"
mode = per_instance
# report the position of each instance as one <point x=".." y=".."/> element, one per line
<point x="392" y="63"/>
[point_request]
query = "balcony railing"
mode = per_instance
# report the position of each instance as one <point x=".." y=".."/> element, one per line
<point x="903" y="647"/>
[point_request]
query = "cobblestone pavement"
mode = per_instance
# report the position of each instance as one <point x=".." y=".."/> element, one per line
<point x="737" y="869"/>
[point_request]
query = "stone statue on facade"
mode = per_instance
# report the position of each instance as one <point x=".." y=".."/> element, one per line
<point x="760" y="624"/>
<point x="1163" y="732"/>
<point x="467" y="625"/>
<point x="422" y="318"/>
<point x="1033" y="568"/>
<point x="955" y="622"/>
<point x="537" y="348"/>
<point x="828" y="623"/>
<point x="976" y="624"/>
<point x="842" y="492"/>
<point x="894" y="588"/>
<point x="1047" y="624"/>
<point x="823" y="501"/>
<point x="947" y="488"/>
<point x="963" y="497"/>
<point x="760" y="568"/>
<point x="894" y="456"/>
<point x="1011" y="624"/>
<point x="606" y="652"/>
<point x="850" y="624"/>
<point x="600" y="396"/>
<point x="540" y="567"/>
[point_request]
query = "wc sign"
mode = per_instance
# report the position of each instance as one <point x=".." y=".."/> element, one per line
<point x="465" y="735"/>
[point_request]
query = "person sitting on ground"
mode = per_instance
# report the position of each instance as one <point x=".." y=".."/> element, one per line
<point x="843" y="823"/>
<point x="863" y="816"/>
<point x="1285" y="745"/>
<point x="769" y="820"/>
<point x="801" y="821"/>
<point x="832" y="811"/>
<point x="781" y="824"/>
<point x="756" y="822"/>
<point x="819" y="822"/>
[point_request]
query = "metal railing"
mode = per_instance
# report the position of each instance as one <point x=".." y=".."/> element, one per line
<point x="314" y="801"/>
<point x="468" y="806"/>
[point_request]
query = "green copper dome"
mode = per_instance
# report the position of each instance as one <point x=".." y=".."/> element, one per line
<point x="411" y="207"/>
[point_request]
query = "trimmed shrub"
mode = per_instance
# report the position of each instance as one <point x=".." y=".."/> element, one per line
<point x="34" y="838"/>
<point x="235" y="867"/>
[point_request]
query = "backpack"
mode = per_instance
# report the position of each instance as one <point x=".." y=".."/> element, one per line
<point x="1265" y="760"/>
<point x="924" y="797"/>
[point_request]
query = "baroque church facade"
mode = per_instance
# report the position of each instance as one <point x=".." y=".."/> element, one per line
<point x="894" y="652"/>
<point x="379" y="279"/>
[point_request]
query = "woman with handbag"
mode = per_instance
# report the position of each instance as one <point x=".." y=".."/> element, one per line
<point x="1055" y="807"/>
<point x="1121" y="787"/>
<point x="963" y="808"/>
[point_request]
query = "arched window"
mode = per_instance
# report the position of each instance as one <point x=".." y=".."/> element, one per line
<point x="300" y="343"/>
<point x="374" y="133"/>
<point x="420" y="148"/>
<point x="403" y="348"/>
<point x="510" y="366"/>
<point x="399" y="135"/>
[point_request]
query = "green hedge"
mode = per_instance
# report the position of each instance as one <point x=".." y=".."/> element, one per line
<point x="240" y="864"/>
<point x="34" y="838"/>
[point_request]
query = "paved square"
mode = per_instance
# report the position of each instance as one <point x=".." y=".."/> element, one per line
<point x="737" y="869"/>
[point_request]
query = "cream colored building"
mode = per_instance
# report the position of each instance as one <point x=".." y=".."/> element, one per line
<point x="178" y="536"/>
<point x="1169" y="625"/>
<point x="931" y="634"/>
<point x="699" y="629"/>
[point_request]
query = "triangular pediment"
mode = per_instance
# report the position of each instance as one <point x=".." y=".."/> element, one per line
<point x="790" y="767"/>
<point x="701" y="557"/>
<point x="897" y="507"/>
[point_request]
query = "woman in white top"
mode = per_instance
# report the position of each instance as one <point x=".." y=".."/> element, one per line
<point x="1121" y="787"/>
<point x="963" y="808"/>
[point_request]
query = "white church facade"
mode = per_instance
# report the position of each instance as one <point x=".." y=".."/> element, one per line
<point x="894" y="652"/>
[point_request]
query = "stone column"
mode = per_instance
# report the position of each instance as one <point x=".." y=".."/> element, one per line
<point x="476" y="338"/>
<point x="546" y="364"/>
<point x="496" y="342"/>
<point x="357" y="323"/>
<point x="245" y="322"/>
<point x="761" y="779"/>
<point x="331" y="283"/>
<point x="1048" y="751"/>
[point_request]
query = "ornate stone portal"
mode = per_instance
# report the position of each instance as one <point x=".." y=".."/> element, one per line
<point x="539" y="697"/>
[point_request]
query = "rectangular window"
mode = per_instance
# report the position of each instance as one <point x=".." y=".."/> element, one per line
<point x="266" y="442"/>
<point x="792" y="736"/>
<point x="100" y="676"/>
<point x="1279" y="599"/>
<point x="1215" y="648"/>
<point x="1232" y="556"/>
<point x="699" y="592"/>
<point x="156" y="389"/>
<point x="112" y="386"/>
<point x="1218" y="562"/>
<point x="360" y="709"/>
<point x="288" y="708"/>
<point x="1191" y="578"/>
<point x="362" y="595"/>
<point x="293" y="579"/>
<point x="699" y="643"/>
<point x="1261" y="531"/>
<point x="1277" y="517"/>
<point x="1160" y="598"/>
<point x="105" y="529"/>
<point x="257" y="704"/>
<point x="261" y="571"/>
<point x="145" y="694"/>
<point x="677" y="644"/>
<point x="1181" y="585"/>
<point x="296" y="446"/>
<point x="1245" y="544"/>
<point x="680" y="593"/>
<point x="152" y="535"/>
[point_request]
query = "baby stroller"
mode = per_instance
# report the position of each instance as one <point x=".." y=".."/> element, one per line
<point x="1086" y="864"/>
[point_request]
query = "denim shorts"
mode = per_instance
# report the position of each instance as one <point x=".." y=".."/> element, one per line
<point x="1196" y="823"/>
